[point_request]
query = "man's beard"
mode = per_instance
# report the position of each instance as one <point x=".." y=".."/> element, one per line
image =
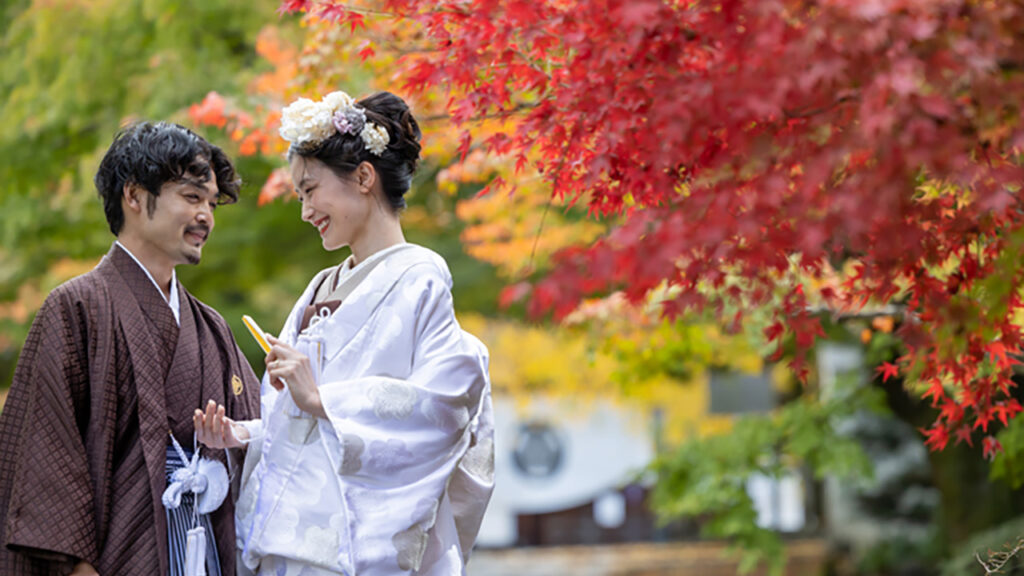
<point x="194" y="257"/>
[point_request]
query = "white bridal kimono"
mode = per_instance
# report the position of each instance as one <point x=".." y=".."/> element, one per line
<point x="396" y="479"/>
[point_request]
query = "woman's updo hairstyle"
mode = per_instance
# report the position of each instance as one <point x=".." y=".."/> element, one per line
<point x="395" y="165"/>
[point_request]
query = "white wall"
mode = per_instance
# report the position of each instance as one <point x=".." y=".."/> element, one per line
<point x="602" y="447"/>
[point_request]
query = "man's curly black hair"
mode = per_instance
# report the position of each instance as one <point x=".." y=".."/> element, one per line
<point x="152" y="154"/>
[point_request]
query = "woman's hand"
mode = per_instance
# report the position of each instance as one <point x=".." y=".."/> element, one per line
<point x="288" y="366"/>
<point x="216" y="430"/>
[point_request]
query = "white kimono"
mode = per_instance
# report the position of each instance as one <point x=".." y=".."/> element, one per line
<point x="396" y="479"/>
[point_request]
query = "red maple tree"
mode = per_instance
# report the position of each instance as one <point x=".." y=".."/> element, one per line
<point x="749" y="145"/>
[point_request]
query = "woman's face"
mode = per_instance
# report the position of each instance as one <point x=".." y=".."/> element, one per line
<point x="335" y="206"/>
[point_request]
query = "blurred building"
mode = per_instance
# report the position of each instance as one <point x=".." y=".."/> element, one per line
<point x="569" y="475"/>
<point x="571" y="496"/>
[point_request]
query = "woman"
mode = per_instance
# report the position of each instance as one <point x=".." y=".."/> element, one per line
<point x="375" y="446"/>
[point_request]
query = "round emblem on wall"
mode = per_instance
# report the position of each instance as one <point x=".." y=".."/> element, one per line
<point x="537" y="450"/>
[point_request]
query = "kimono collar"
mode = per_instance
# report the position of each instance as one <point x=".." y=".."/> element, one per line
<point x="337" y="330"/>
<point x="144" y="350"/>
<point x="174" y="302"/>
<point x="347" y="269"/>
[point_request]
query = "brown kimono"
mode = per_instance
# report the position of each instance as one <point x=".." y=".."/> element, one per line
<point x="104" y="374"/>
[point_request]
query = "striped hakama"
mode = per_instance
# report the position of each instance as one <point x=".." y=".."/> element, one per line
<point x="182" y="519"/>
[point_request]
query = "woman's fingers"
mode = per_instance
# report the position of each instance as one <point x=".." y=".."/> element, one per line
<point x="272" y="375"/>
<point x="281" y="367"/>
<point x="277" y="348"/>
<point x="280" y="350"/>
<point x="283" y="363"/>
<point x="279" y="371"/>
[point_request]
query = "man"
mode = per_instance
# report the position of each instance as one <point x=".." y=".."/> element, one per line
<point x="115" y="359"/>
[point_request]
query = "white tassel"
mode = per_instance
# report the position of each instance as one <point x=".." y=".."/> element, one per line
<point x="207" y="479"/>
<point x="195" y="552"/>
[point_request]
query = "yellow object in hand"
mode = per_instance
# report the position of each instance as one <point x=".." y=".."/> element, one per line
<point x="257" y="333"/>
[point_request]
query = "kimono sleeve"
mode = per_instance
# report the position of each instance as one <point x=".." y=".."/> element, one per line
<point x="49" y="511"/>
<point x="415" y="427"/>
<point x="404" y="440"/>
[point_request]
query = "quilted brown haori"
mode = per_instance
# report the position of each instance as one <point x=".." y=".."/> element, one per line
<point x="105" y="372"/>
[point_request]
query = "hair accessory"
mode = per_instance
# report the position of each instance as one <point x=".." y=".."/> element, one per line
<point x="306" y="123"/>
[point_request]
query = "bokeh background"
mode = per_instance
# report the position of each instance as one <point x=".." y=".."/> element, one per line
<point x="628" y="443"/>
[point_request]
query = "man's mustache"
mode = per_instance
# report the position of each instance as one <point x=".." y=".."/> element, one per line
<point x="199" y="229"/>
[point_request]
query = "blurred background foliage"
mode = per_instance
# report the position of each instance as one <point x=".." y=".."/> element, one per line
<point x="73" y="71"/>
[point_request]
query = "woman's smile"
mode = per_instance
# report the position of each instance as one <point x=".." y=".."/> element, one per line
<point x="322" y="224"/>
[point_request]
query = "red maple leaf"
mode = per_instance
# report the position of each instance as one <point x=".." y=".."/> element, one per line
<point x="1000" y="355"/>
<point x="1006" y="410"/>
<point x="936" y="391"/>
<point x="774" y="331"/>
<point x="951" y="412"/>
<point x="963" y="434"/>
<point x="290" y="6"/>
<point x="367" y="52"/>
<point x="991" y="447"/>
<point x="936" y="437"/>
<point x="984" y="418"/>
<point x="513" y="293"/>
<point x="887" y="370"/>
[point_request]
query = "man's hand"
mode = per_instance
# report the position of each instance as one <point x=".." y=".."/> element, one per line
<point x="84" y="569"/>
<point x="216" y="430"/>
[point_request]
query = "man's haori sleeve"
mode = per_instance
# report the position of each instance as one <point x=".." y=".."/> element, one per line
<point x="45" y="487"/>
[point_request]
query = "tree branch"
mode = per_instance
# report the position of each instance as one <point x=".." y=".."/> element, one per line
<point x="863" y="314"/>
<point x="808" y="112"/>
<point x="500" y="114"/>
<point x="996" y="560"/>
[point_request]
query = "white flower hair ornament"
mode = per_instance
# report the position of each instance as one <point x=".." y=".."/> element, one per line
<point x="305" y="123"/>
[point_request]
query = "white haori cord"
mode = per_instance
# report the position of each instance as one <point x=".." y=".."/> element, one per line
<point x="208" y="480"/>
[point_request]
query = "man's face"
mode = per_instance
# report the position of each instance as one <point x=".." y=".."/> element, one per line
<point x="177" y="223"/>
